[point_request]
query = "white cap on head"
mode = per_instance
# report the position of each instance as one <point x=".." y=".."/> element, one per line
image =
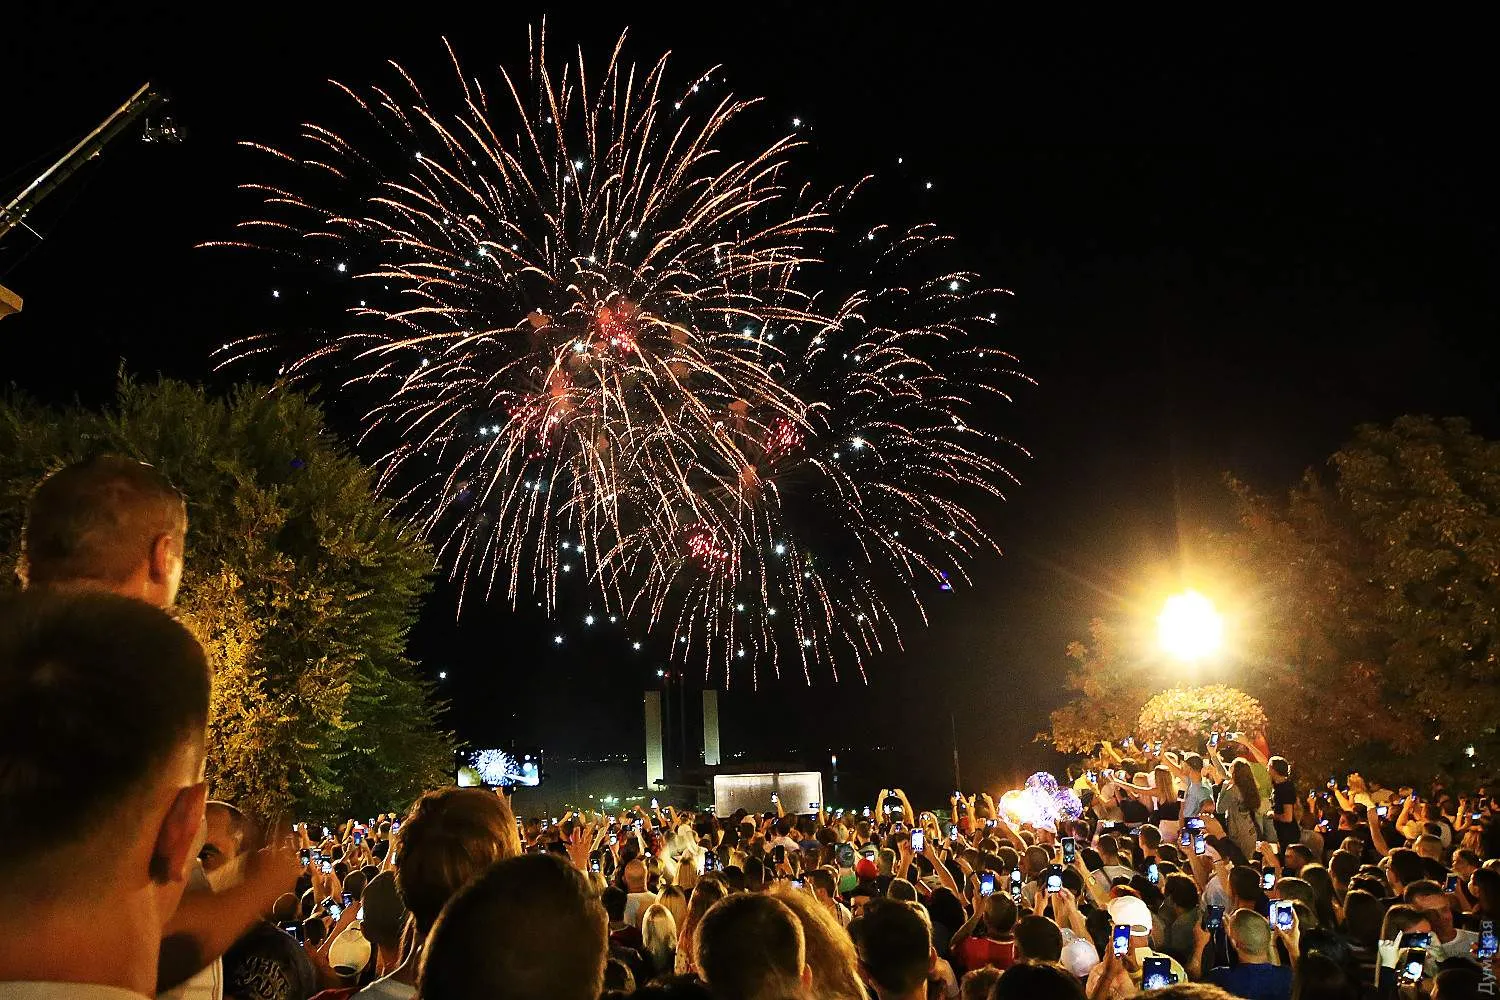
<point x="350" y="951"/>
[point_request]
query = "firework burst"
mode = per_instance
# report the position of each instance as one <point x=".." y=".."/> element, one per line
<point x="596" y="340"/>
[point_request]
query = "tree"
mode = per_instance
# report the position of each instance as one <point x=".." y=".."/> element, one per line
<point x="1186" y="716"/>
<point x="1376" y="636"/>
<point x="1370" y="629"/>
<point x="1110" y="694"/>
<point x="298" y="581"/>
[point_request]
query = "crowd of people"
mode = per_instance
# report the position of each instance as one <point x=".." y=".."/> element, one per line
<point x="1208" y="870"/>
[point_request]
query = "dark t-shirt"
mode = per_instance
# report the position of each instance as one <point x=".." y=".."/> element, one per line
<point x="1261" y="981"/>
<point x="1134" y="811"/>
<point x="266" y="964"/>
<point x="1285" y="794"/>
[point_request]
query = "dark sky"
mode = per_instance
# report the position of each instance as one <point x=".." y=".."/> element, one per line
<point x="1229" y="242"/>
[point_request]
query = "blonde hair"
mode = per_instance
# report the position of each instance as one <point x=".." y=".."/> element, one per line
<point x="675" y="900"/>
<point x="659" y="936"/>
<point x="830" y="952"/>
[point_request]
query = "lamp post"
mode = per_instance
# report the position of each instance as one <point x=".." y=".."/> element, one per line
<point x="1189" y="628"/>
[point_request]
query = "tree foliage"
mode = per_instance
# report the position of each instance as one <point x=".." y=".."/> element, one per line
<point x="1108" y="698"/>
<point x="1185" y="716"/>
<point x="1370" y="630"/>
<point x="301" y="586"/>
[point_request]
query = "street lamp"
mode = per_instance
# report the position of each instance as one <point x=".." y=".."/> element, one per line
<point x="1188" y="627"/>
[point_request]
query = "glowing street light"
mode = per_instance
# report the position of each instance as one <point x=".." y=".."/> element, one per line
<point x="1188" y="627"/>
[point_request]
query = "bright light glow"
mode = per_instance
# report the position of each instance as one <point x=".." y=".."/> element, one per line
<point x="1469" y="750"/>
<point x="661" y="673"/>
<point x="343" y="267"/>
<point x="275" y="293"/>
<point x="442" y="675"/>
<point x="796" y="123"/>
<point x="857" y="443"/>
<point x="929" y="185"/>
<point x="780" y="549"/>
<point x="588" y="619"/>
<point x="557" y="640"/>
<point x="1188" y="627"/>
<point x="953" y="286"/>
<point x="577" y="164"/>
<point x="635" y="645"/>
<point x="739" y="607"/>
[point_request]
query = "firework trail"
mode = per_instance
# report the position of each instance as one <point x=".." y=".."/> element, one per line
<point x="598" y="344"/>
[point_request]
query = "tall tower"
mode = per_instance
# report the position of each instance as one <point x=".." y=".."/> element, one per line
<point x="711" y="727"/>
<point x="655" y="765"/>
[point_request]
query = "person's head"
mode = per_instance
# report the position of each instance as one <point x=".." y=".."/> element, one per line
<point x="1429" y="846"/>
<point x="618" y="978"/>
<point x="1465" y="862"/>
<point x="829" y="951"/>
<point x="1460" y="982"/>
<point x="1401" y="919"/>
<point x="1162" y="785"/>
<point x="107" y="523"/>
<point x="1038" y="939"/>
<point x="448" y="837"/>
<point x="614" y="900"/>
<point x="999" y="915"/>
<point x="223" y="835"/>
<point x="749" y="946"/>
<point x="635" y="875"/>
<point x="1430" y="898"/>
<point x="1194" y="764"/>
<point x="976" y="985"/>
<point x="1250" y="934"/>
<point x="895" y="948"/>
<point x="1280" y="768"/>
<point x="1406" y="868"/>
<point x="1244" y="884"/>
<point x="1320" y="977"/>
<point x="1243" y="776"/>
<point x="384" y="914"/>
<point x="1484" y="886"/>
<point x="118" y="684"/>
<point x="823" y="885"/>
<point x="1341" y="868"/>
<point x="1363" y="913"/>
<point x="1181" y="890"/>
<point x="1131" y="911"/>
<point x="1037" y="981"/>
<point x="525" y="928"/>
<point x="901" y="889"/>
<point x="659" y="933"/>
<point x="1108" y="849"/>
<point x="1297" y="856"/>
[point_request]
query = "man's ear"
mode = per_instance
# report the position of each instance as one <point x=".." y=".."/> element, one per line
<point x="165" y="551"/>
<point x="932" y="958"/>
<point x="807" y="977"/>
<point x="180" y="837"/>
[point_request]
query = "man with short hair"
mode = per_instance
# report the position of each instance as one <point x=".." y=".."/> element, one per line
<point x="107" y="523"/>
<point x="527" y="928"/>
<point x="448" y="837"/>
<point x="1195" y="790"/>
<point x="1038" y="939"/>
<point x="638" y="900"/>
<point x="88" y="891"/>
<point x="116" y="525"/>
<point x="1109" y="853"/>
<point x="823" y="886"/>
<point x="1406" y="868"/>
<point x="1447" y="940"/>
<point x="895" y="950"/>
<point x="223" y="835"/>
<point x="1256" y="977"/>
<point x="1298" y="856"/>
<point x="987" y="937"/>
<point x="751" y="945"/>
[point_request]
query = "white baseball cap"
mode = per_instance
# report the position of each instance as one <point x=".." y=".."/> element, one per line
<point x="1131" y="910"/>
<point x="350" y="951"/>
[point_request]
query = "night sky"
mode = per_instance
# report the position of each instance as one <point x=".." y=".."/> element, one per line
<point x="1229" y="243"/>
